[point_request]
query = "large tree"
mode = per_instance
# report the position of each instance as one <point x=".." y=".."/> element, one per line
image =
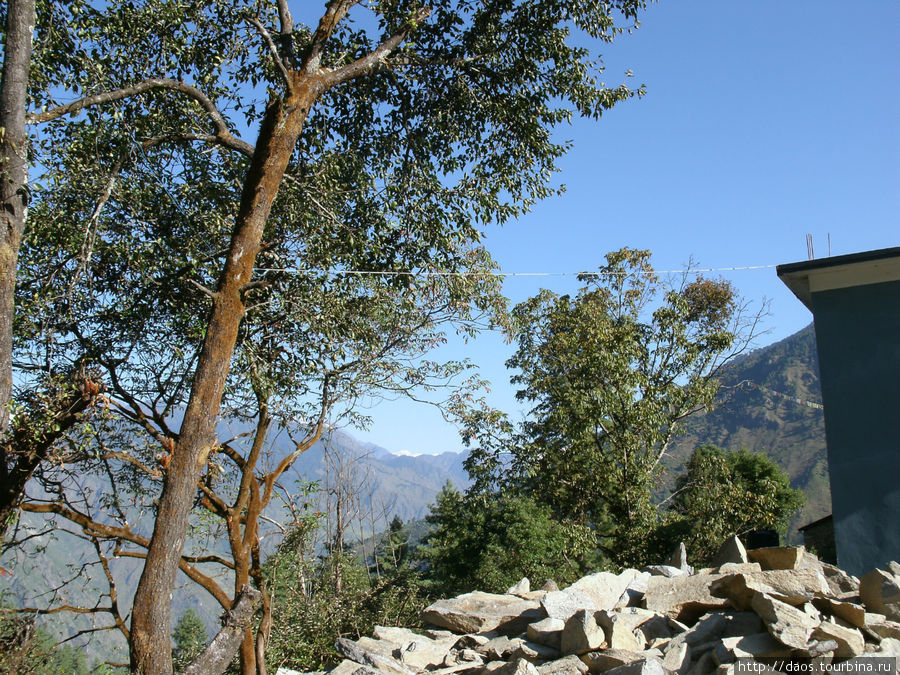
<point x="386" y="135"/>
<point x="609" y="374"/>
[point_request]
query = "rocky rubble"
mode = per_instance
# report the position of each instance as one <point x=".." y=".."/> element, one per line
<point x="776" y="602"/>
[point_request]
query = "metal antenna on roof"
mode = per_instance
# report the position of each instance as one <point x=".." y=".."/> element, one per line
<point x="810" y="253"/>
<point x="829" y="244"/>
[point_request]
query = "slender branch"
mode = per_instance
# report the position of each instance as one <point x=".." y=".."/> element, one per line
<point x="227" y="141"/>
<point x="273" y="50"/>
<point x="376" y="58"/>
<point x="223" y="133"/>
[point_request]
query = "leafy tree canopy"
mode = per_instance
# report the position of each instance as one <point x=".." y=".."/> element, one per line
<point x="609" y="373"/>
<point x="490" y="544"/>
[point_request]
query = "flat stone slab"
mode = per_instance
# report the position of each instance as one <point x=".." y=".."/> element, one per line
<point x="684" y="598"/>
<point x="478" y="612"/>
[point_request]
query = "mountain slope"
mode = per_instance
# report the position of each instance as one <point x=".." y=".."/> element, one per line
<point x="767" y="409"/>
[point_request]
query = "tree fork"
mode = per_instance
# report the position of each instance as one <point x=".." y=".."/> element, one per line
<point x="280" y="129"/>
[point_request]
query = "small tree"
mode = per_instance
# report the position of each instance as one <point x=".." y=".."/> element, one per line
<point x="190" y="637"/>
<point x="490" y="544"/>
<point x="726" y="493"/>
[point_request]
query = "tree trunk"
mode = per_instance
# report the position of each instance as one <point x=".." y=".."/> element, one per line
<point x="281" y="126"/>
<point x="13" y="178"/>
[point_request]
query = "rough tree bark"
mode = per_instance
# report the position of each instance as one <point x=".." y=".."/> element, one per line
<point x="279" y="131"/>
<point x="150" y="644"/>
<point x="218" y="654"/>
<point x="13" y="177"/>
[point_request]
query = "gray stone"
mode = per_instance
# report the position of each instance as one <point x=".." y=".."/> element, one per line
<point x="739" y="568"/>
<point x="645" y="666"/>
<point x="679" y="559"/>
<point x="849" y="640"/>
<point x="664" y="571"/>
<point x="600" y="662"/>
<point x="563" y="604"/>
<point x="655" y="628"/>
<point x="742" y="623"/>
<point x="371" y="653"/>
<point x="879" y="591"/>
<point x="787" y="624"/>
<point x="517" y="667"/>
<point x="677" y="657"/>
<point x="838" y="580"/>
<point x="619" y="626"/>
<point x="778" y="557"/>
<point x="605" y="588"/>
<point x="550" y="585"/>
<point x="757" y="645"/>
<point x="499" y="648"/>
<point x="684" y="598"/>
<point x="535" y="651"/>
<point x="479" y="612"/>
<point x="413" y="650"/>
<point x="581" y="634"/>
<point x="524" y="586"/>
<point x="348" y="667"/>
<point x="546" y="631"/>
<point x="731" y="551"/>
<point x="568" y="665"/>
<point x="794" y="587"/>
<point x="704" y="665"/>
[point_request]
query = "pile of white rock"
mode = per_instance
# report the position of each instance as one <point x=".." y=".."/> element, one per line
<point x="766" y="603"/>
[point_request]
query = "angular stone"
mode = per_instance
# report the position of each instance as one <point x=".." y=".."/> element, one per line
<point x="463" y="656"/>
<point x="499" y="648"/>
<point x="757" y="645"/>
<point x="600" y="662"/>
<point x="778" y="557"/>
<point x="348" y="667"/>
<point x="413" y="650"/>
<point x="679" y="559"/>
<point x="731" y="551"/>
<point x="581" y="634"/>
<point x="787" y="624"/>
<point x="523" y="586"/>
<point x="550" y="585"/>
<point x="738" y="624"/>
<point x="479" y="612"/>
<point x="568" y="665"/>
<point x="517" y="667"/>
<point x="794" y="587"/>
<point x="849" y="640"/>
<point x="677" y="657"/>
<point x="634" y="592"/>
<point x="704" y="665"/>
<point x="624" y="620"/>
<point x="664" y="571"/>
<point x="535" y="652"/>
<point x="644" y="666"/>
<point x="655" y="628"/>
<point x="563" y="604"/>
<point x="848" y="611"/>
<point x="546" y="631"/>
<point x="684" y="598"/>
<point x="882" y="627"/>
<point x="879" y="591"/>
<point x="369" y="654"/>
<point x="838" y="579"/>
<point x="739" y="568"/>
<point x="605" y="588"/>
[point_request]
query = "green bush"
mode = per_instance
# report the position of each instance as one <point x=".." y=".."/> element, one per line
<point x="490" y="541"/>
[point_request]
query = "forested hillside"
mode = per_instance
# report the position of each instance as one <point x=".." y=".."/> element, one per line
<point x="767" y="396"/>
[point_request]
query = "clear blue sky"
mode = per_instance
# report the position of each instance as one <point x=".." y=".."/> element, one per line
<point x="763" y="121"/>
